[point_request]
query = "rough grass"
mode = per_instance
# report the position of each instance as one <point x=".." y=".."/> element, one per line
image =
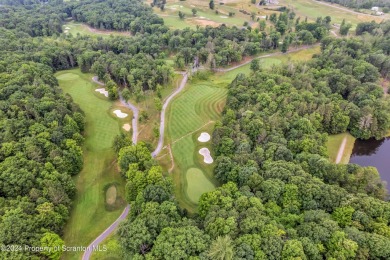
<point x="89" y="216"/>
<point x="333" y="146"/>
<point x="191" y="112"/>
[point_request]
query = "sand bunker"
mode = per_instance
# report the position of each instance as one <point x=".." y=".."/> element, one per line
<point x="120" y="114"/>
<point x="126" y="127"/>
<point x="204" y="137"/>
<point x="66" y="31"/>
<point x="206" y="154"/>
<point x="67" y="28"/>
<point x="224" y="17"/>
<point x="102" y="91"/>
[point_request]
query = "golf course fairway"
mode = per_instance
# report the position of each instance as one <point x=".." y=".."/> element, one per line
<point x="89" y="216"/>
<point x="193" y="111"/>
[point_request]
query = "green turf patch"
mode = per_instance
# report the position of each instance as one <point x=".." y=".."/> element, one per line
<point x="333" y="146"/>
<point x="89" y="216"/>
<point x="197" y="184"/>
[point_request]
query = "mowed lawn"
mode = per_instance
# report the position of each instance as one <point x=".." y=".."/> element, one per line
<point x="89" y="217"/>
<point x="334" y="143"/>
<point x="313" y="9"/>
<point x="194" y="110"/>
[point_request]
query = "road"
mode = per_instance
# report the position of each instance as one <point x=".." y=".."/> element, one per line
<point x="134" y="121"/>
<point x="105" y="234"/>
<point x="162" y="117"/>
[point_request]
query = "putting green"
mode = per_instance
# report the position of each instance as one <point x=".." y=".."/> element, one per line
<point x="197" y="184"/>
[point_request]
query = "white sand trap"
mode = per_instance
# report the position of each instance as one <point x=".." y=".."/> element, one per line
<point x="206" y="154"/>
<point x="204" y="137"/>
<point x="172" y="8"/>
<point x="126" y="127"/>
<point x="263" y="17"/>
<point x="201" y="17"/>
<point x="222" y="16"/>
<point x="67" y="28"/>
<point x="102" y="91"/>
<point x="66" y="31"/>
<point x="120" y="114"/>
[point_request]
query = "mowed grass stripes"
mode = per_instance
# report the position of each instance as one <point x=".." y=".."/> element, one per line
<point x="200" y="103"/>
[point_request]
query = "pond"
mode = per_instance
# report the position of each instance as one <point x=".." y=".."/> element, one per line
<point x="373" y="153"/>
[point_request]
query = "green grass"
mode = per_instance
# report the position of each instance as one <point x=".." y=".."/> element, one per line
<point x="197" y="184"/>
<point x="191" y="112"/>
<point x="113" y="249"/>
<point x="89" y="216"/>
<point x="313" y="9"/>
<point x="333" y="146"/>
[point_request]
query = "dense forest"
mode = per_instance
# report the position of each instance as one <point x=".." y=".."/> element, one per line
<point x="40" y="136"/>
<point x="282" y="198"/>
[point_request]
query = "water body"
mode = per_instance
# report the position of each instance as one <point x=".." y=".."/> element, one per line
<point x="373" y="153"/>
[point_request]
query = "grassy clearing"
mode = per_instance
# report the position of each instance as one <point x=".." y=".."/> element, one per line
<point x="191" y="112"/>
<point x="302" y="55"/>
<point x="313" y="9"/>
<point x="89" y="216"/>
<point x="334" y="143"/>
<point x="83" y="29"/>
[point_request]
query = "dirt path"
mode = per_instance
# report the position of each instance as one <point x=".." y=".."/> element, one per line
<point x="341" y="150"/>
<point x="105" y="234"/>
<point x="134" y="121"/>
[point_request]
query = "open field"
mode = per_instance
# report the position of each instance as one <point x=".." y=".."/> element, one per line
<point x="334" y="143"/>
<point x="89" y="216"/>
<point x="313" y="9"/>
<point x="84" y="29"/>
<point x="302" y="55"/>
<point x="206" y="16"/>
